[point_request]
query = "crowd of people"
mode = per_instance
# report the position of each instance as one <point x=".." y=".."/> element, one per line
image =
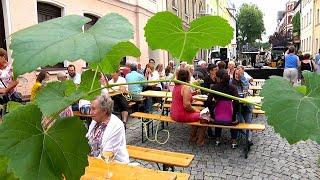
<point x="296" y="63"/>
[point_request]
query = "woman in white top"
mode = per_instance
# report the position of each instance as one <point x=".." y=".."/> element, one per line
<point x="106" y="132"/>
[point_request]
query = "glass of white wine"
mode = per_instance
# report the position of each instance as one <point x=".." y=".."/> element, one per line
<point x="107" y="157"/>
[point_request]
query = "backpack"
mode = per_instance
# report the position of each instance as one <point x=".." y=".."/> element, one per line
<point x="223" y="112"/>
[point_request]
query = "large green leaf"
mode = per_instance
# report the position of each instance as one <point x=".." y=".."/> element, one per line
<point x="87" y="78"/>
<point x="293" y="114"/>
<point x="63" y="39"/>
<point x="4" y="174"/>
<point x="164" y="31"/>
<point x="53" y="97"/>
<point x="111" y="61"/>
<point x="38" y="154"/>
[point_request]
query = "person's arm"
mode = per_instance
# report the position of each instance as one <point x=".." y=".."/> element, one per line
<point x="186" y="99"/>
<point x="9" y="87"/>
<point x="314" y="66"/>
<point x="298" y="62"/>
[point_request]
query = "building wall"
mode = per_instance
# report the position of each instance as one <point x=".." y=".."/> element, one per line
<point x="20" y="14"/>
<point x="307" y="26"/>
<point x="316" y="30"/>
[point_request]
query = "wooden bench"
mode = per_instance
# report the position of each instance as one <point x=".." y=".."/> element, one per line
<point x="167" y="158"/>
<point x="146" y="117"/>
<point x="258" y="111"/>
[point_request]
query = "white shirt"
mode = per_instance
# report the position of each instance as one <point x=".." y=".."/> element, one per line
<point x="76" y="79"/>
<point x="247" y="76"/>
<point x="114" y="139"/>
<point x="155" y="76"/>
<point x="120" y="80"/>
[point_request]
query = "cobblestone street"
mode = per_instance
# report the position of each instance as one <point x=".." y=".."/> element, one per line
<point x="271" y="157"/>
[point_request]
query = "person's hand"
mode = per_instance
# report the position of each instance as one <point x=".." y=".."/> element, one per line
<point x="196" y="110"/>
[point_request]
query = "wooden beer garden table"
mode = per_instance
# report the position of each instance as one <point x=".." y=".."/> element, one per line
<point x="97" y="169"/>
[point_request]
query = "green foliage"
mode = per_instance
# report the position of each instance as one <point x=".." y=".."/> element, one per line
<point x="111" y="61"/>
<point x="12" y="105"/>
<point x="296" y="23"/>
<point x="38" y="154"/>
<point x="302" y="89"/>
<point x="4" y="174"/>
<point x="53" y="97"/>
<point x="164" y="31"/>
<point x="294" y="115"/>
<point x="250" y="23"/>
<point x="61" y="39"/>
<point x="87" y="78"/>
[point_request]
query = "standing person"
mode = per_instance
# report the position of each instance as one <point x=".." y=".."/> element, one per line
<point x="307" y="65"/>
<point x="120" y="99"/>
<point x="73" y="75"/>
<point x="106" y="132"/>
<point x="317" y="59"/>
<point x="291" y="66"/>
<point x="181" y="109"/>
<point x="7" y="83"/>
<point x="41" y="78"/>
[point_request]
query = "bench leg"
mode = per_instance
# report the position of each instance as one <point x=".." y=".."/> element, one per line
<point x="247" y="144"/>
<point x="166" y="167"/>
<point x="147" y="122"/>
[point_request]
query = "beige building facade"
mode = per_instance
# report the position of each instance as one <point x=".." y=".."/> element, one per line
<point x="20" y="14"/>
<point x="316" y="30"/>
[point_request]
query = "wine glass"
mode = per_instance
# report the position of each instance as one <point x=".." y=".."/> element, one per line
<point x="107" y="158"/>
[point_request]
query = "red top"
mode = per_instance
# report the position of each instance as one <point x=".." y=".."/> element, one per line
<point x="177" y="110"/>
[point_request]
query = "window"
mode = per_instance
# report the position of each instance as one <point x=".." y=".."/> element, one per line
<point x="307" y="19"/>
<point x="175" y="7"/>
<point x="175" y="3"/>
<point x="93" y="18"/>
<point x="310" y="16"/>
<point x="317" y="43"/>
<point x="318" y="16"/>
<point x="186" y="7"/>
<point x="289" y="19"/>
<point x="46" y="12"/>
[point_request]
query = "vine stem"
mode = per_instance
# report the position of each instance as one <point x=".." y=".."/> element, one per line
<point x="94" y="78"/>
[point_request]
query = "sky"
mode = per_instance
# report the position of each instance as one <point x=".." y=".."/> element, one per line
<point x="269" y="9"/>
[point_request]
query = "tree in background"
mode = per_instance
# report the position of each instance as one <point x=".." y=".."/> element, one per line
<point x="296" y="23"/>
<point x="278" y="39"/>
<point x="250" y="23"/>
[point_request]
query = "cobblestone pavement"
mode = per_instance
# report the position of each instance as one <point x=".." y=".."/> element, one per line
<point x="271" y="157"/>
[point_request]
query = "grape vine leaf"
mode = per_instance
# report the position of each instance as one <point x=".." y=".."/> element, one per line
<point x="4" y="174"/>
<point x="294" y="115"/>
<point x="111" y="61"/>
<point x="37" y="154"/>
<point x="53" y="97"/>
<point x="63" y="38"/>
<point x="164" y="31"/>
<point x="87" y="78"/>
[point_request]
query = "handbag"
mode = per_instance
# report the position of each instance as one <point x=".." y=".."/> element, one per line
<point x="16" y="96"/>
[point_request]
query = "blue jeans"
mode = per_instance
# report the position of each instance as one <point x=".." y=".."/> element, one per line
<point x="245" y="115"/>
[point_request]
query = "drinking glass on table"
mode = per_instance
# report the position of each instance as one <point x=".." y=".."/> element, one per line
<point x="107" y="158"/>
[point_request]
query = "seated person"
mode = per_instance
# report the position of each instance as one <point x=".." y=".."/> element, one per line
<point x="223" y="85"/>
<point x="181" y="109"/>
<point x="121" y="101"/>
<point x="7" y="84"/>
<point x="242" y="85"/>
<point x="134" y="76"/>
<point x="106" y="132"/>
<point x="42" y="77"/>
